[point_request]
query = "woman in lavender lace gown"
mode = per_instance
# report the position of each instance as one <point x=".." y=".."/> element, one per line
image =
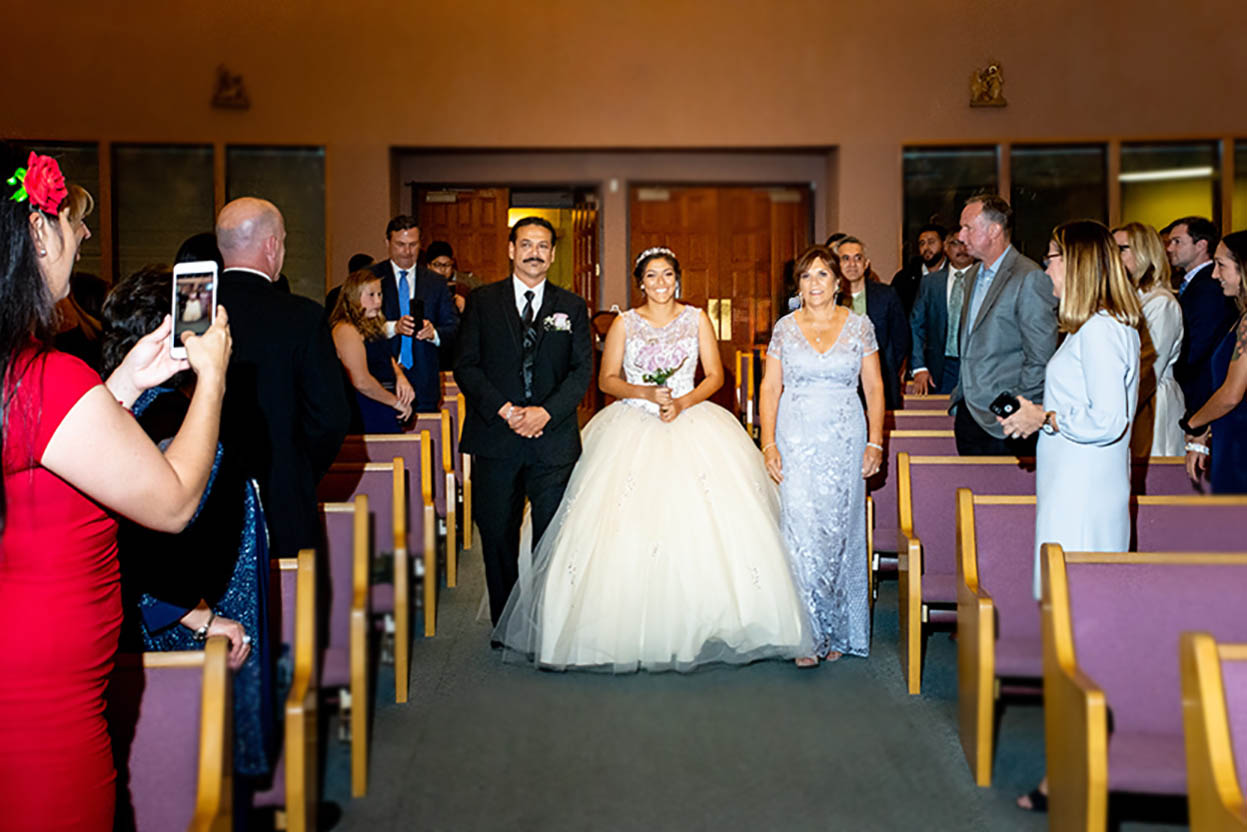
<point x="814" y="440"/>
<point x="665" y="553"/>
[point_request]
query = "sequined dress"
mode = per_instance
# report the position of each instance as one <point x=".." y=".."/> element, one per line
<point x="665" y="553"/>
<point x="821" y="434"/>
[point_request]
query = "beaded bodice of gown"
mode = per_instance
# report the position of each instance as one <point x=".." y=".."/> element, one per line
<point x="648" y="347"/>
<point x="837" y="370"/>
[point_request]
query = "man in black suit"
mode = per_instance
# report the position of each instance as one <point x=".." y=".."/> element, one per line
<point x="406" y="288"/>
<point x="934" y="359"/>
<point x="879" y="303"/>
<point x="524" y="364"/>
<point x="285" y="411"/>
<point x="1207" y="314"/>
<point x="908" y="281"/>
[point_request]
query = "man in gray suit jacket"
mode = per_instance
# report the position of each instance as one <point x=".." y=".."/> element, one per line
<point x="1008" y="330"/>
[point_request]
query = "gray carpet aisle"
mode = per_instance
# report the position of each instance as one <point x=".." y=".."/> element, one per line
<point x="483" y="745"/>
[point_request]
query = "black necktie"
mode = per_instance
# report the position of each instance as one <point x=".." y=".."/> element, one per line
<point x="530" y="343"/>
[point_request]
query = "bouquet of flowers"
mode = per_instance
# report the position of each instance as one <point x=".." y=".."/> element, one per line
<point x="660" y="362"/>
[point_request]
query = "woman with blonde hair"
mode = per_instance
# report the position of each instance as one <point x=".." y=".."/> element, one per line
<point x="1156" y="431"/>
<point x="1082" y="488"/>
<point x="382" y="392"/>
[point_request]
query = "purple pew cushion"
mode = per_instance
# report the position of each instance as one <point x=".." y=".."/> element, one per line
<point x="1005" y="542"/>
<point x="1148" y="763"/>
<point x="934" y="488"/>
<point x="1150" y="477"/>
<point x="433" y="424"/>
<point x="339" y="530"/>
<point x="1020" y="656"/>
<point x="156" y="712"/>
<point x="939" y="588"/>
<point x="1234" y="677"/>
<point x="382" y="598"/>
<point x="882" y="486"/>
<point x="1186" y="528"/>
<point x="1126" y="621"/>
<point x="336" y="671"/>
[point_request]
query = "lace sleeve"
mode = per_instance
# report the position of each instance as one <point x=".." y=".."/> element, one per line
<point x="773" y="348"/>
<point x="866" y="335"/>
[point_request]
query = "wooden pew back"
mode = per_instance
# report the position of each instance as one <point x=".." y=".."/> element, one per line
<point x="171" y="718"/>
<point x="1214" y="711"/>
<point x="882" y="486"/>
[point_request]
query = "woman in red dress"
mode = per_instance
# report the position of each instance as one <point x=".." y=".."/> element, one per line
<point x="72" y="459"/>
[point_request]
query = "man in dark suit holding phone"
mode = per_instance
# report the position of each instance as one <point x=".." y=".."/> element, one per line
<point x="524" y="364"/>
<point x="420" y="316"/>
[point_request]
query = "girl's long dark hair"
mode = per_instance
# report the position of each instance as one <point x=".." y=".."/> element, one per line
<point x="26" y="306"/>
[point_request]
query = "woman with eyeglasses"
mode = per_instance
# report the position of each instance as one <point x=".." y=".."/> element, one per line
<point x="1091" y="387"/>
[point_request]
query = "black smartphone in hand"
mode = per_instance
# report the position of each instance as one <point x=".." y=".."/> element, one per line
<point x="1004" y="405"/>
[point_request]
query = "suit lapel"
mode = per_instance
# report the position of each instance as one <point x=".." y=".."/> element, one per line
<point x="972" y="277"/>
<point x="1003" y="276"/>
<point x="506" y="301"/>
<point x="547" y="309"/>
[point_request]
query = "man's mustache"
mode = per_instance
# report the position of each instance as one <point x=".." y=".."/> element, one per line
<point x="534" y="260"/>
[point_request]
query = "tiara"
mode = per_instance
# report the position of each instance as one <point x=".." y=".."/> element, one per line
<point x="41" y="182"/>
<point x="650" y="252"/>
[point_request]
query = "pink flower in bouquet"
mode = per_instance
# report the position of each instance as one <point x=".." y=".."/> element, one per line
<point x="660" y="361"/>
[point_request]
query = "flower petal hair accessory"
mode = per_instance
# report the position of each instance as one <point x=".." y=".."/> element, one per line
<point x="650" y="252"/>
<point x="41" y="182"/>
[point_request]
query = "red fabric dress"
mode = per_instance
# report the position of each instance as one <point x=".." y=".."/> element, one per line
<point x="60" y="614"/>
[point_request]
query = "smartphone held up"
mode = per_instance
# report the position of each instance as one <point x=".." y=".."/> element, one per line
<point x="194" y="301"/>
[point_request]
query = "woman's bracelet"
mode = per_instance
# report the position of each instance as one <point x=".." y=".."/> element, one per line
<point x="1197" y="448"/>
<point x="874" y="445"/>
<point x="767" y="446"/>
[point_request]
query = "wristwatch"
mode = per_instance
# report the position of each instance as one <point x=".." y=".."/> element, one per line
<point x="201" y="635"/>
<point x="1047" y="426"/>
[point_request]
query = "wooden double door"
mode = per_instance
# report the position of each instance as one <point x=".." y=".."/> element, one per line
<point x="734" y="245"/>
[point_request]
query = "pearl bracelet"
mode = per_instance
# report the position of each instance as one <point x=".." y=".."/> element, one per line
<point x="874" y="445"/>
<point x="1197" y="448"/>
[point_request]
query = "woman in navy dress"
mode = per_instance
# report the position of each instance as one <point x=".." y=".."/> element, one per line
<point x="383" y="396"/>
<point x="820" y="446"/>
<point x="1225" y="411"/>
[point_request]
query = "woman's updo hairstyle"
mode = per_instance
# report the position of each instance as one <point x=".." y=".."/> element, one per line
<point x="656" y="253"/>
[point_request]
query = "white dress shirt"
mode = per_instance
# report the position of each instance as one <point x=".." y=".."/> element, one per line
<point x="520" y="288"/>
<point x="390" y="332"/>
<point x="1189" y="276"/>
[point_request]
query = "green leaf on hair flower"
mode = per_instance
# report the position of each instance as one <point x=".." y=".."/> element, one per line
<point x="17" y="179"/>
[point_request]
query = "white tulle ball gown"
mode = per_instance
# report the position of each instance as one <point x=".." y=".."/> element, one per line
<point x="666" y="552"/>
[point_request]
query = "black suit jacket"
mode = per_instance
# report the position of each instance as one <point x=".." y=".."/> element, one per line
<point x="440" y="310"/>
<point x="907" y="282"/>
<point x="488" y="369"/>
<point x="886" y="312"/>
<point x="285" y="412"/>
<point x="1207" y="314"/>
<point x="928" y="324"/>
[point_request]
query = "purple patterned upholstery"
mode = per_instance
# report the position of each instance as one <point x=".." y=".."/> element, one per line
<point x="1150" y="476"/>
<point x="154" y="716"/>
<point x="341" y="486"/>
<point x="1234" y="677"/>
<point x="929" y="419"/>
<point x="1188" y="528"/>
<point x="1126" y="621"/>
<point x="1005" y="544"/>
<point x="934" y="491"/>
<point x="339" y="557"/>
<point x="432" y="422"/>
<point x="882" y="486"/>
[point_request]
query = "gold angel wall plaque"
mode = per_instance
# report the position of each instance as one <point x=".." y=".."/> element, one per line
<point x="987" y="86"/>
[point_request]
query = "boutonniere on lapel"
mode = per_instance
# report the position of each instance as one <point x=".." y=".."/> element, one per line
<point x="558" y="322"/>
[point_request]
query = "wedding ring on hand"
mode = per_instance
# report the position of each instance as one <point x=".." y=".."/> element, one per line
<point x="246" y="639"/>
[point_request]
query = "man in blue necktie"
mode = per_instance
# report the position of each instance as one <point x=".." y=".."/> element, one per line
<point x="420" y="316"/>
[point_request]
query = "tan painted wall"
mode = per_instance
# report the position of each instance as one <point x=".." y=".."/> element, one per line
<point x="362" y="77"/>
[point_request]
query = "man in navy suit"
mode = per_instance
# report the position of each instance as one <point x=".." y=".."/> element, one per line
<point x="941" y="295"/>
<point x="405" y="289"/>
<point x="1207" y="314"/>
<point x="883" y="306"/>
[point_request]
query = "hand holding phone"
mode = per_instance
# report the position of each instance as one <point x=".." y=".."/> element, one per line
<point x="1004" y="405"/>
<point x="193" y="305"/>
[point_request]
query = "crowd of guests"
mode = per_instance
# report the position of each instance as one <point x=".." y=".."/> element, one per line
<point x="118" y="497"/>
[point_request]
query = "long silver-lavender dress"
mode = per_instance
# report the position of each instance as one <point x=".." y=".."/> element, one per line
<point x="821" y="434"/>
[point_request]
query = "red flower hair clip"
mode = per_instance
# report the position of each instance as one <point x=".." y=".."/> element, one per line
<point x="41" y="182"/>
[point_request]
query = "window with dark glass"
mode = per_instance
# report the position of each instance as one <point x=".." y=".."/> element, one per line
<point x="938" y="181"/>
<point x="162" y="194"/>
<point x="293" y="179"/>
<point x="1051" y="184"/>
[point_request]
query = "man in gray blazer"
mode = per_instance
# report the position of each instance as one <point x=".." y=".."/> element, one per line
<point x="1008" y="330"/>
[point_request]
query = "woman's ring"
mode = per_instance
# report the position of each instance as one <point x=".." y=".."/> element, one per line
<point x="246" y="639"/>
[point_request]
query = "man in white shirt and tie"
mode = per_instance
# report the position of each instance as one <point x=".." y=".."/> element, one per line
<point x="407" y="289"/>
<point x="936" y="319"/>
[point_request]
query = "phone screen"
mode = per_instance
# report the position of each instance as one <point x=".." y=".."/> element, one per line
<point x="194" y="303"/>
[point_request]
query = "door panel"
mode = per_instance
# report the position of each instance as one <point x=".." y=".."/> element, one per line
<point x="474" y="222"/>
